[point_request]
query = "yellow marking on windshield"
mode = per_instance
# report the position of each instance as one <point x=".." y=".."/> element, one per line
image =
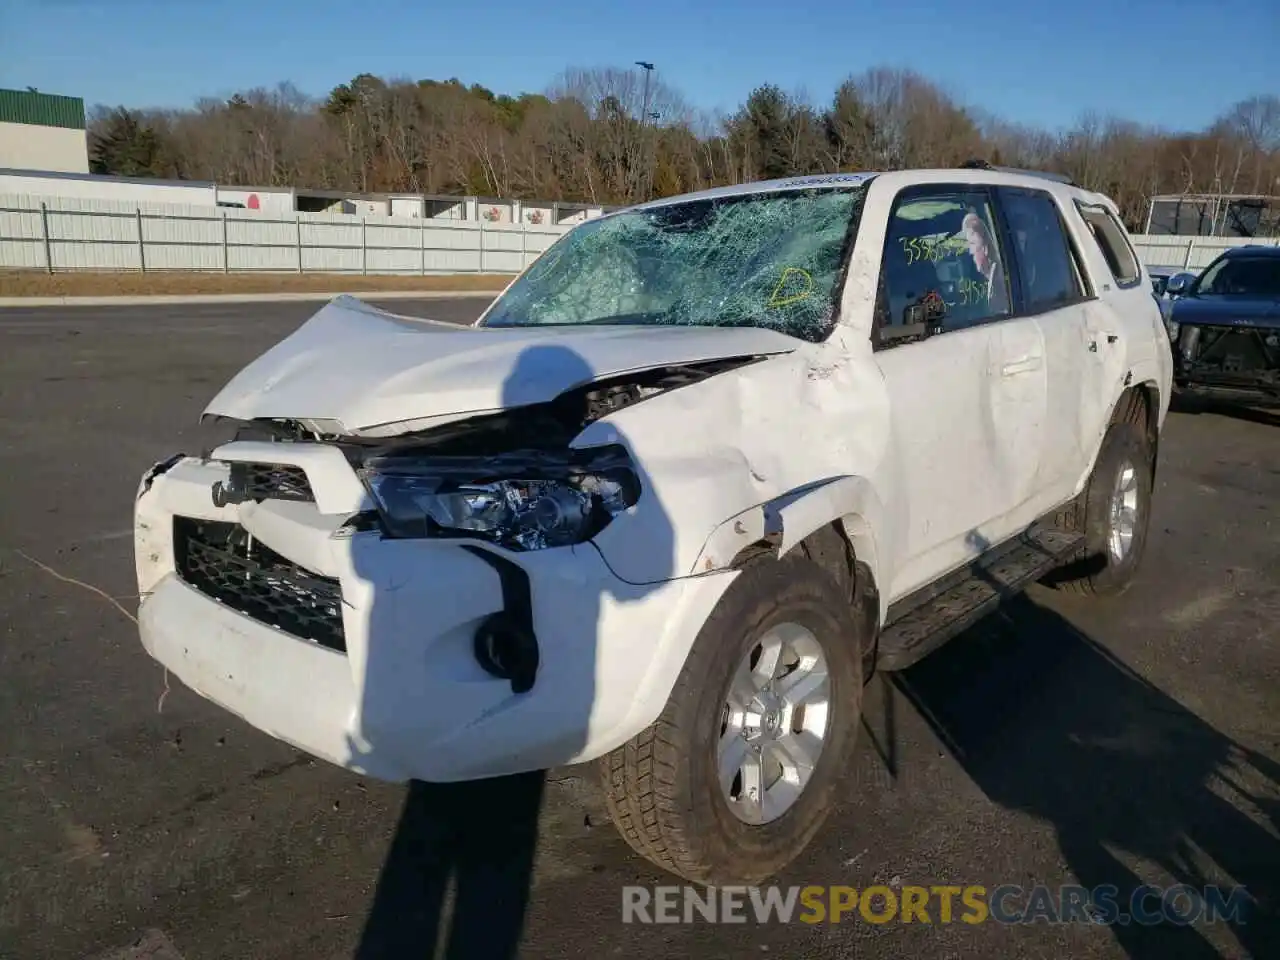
<point x="797" y="296"/>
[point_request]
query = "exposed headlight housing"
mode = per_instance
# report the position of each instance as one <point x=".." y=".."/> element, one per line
<point x="1166" y="315"/>
<point x="526" y="500"/>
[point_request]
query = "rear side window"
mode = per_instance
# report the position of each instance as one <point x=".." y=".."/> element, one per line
<point x="1045" y="263"/>
<point x="1113" y="243"/>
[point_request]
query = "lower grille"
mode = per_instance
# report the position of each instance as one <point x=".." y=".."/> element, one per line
<point x="222" y="561"/>
<point x="270" y="481"/>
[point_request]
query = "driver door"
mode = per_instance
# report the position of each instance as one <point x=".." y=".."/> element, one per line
<point x="966" y="381"/>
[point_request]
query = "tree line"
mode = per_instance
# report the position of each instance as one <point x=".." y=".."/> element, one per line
<point x="599" y="136"/>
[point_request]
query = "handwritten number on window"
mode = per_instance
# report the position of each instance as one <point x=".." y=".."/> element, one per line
<point x="973" y="292"/>
<point x="933" y="249"/>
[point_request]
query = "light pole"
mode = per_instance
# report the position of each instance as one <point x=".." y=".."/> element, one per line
<point x="648" y="72"/>
<point x="644" y="128"/>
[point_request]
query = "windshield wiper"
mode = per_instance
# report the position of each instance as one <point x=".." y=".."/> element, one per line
<point x="621" y="319"/>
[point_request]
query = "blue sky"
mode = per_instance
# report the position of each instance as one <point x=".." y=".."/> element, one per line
<point x="1174" y="63"/>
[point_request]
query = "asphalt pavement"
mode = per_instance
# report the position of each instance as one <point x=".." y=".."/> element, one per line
<point x="1065" y="740"/>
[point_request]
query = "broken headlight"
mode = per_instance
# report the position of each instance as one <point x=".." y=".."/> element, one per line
<point x="523" y="501"/>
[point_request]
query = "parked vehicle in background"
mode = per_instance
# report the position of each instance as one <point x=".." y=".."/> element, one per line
<point x="697" y="474"/>
<point x="1160" y="279"/>
<point x="1225" y="325"/>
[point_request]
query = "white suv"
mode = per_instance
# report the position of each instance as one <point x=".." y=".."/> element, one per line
<point x="668" y="503"/>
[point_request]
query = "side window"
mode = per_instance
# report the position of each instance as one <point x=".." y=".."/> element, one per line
<point x="1046" y="265"/>
<point x="1115" y="246"/>
<point x="943" y="266"/>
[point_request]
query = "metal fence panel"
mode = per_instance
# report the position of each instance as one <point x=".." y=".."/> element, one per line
<point x="256" y="257"/>
<point x="67" y="233"/>
<point x="1190" y="253"/>
<point x="26" y="248"/>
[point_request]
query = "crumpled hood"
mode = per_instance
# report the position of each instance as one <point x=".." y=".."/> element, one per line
<point x="1226" y="312"/>
<point x="364" y="367"/>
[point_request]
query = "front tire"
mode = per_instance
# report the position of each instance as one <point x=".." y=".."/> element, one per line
<point x="740" y="770"/>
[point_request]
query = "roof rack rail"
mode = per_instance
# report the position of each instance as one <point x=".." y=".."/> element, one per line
<point x="979" y="164"/>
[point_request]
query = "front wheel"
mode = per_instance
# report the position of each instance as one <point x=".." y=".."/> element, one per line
<point x="740" y="770"/>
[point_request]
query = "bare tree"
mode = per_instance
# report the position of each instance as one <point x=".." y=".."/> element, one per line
<point x="587" y="138"/>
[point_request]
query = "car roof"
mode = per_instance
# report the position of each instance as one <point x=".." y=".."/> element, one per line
<point x="1252" y="250"/>
<point x="807" y="182"/>
<point x="987" y="175"/>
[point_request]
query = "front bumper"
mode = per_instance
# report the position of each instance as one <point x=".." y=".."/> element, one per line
<point x="407" y="697"/>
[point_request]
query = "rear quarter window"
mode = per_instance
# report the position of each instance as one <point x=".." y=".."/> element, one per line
<point x="1113" y="243"/>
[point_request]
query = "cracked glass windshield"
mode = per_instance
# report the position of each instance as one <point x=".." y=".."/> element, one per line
<point x="761" y="260"/>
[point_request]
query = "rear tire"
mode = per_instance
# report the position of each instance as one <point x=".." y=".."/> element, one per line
<point x="1114" y="511"/>
<point x="664" y="788"/>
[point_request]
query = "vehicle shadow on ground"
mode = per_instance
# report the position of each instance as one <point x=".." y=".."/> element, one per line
<point x="1047" y="722"/>
<point x="457" y="879"/>
<point x="457" y="876"/>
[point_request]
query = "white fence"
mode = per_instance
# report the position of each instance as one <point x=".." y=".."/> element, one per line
<point x="59" y="234"/>
<point x="1190" y="253"/>
<point x="62" y="234"/>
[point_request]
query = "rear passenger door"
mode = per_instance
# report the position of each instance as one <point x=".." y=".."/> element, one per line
<point x="1054" y="292"/>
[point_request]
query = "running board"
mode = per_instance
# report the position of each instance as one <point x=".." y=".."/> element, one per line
<point x="921" y="623"/>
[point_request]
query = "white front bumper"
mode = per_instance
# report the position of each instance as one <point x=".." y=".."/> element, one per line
<point x="408" y="699"/>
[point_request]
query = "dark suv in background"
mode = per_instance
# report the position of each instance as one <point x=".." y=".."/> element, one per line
<point x="1225" y="325"/>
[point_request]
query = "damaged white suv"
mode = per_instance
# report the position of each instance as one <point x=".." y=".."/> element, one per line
<point x="668" y="503"/>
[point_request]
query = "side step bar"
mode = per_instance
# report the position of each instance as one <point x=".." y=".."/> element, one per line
<point x="920" y="623"/>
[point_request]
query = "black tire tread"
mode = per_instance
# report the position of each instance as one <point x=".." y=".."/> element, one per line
<point x="639" y="783"/>
<point x="1130" y="410"/>
<point x="640" y="778"/>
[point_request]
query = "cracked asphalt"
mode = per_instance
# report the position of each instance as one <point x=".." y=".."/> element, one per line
<point x="1121" y="741"/>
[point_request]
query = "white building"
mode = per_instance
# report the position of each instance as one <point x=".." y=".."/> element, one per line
<point x="268" y="199"/>
<point x="41" y="131"/>
<point x="90" y="186"/>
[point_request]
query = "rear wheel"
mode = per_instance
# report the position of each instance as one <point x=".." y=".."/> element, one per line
<point x="1114" y="512"/>
<point x="740" y="770"/>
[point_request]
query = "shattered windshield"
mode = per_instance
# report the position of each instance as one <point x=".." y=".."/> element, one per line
<point x="761" y="260"/>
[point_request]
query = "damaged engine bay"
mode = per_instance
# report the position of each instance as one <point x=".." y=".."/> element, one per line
<point x="1247" y="358"/>
<point x="509" y="477"/>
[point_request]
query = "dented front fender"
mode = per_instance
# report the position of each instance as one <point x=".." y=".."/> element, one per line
<point x="731" y="460"/>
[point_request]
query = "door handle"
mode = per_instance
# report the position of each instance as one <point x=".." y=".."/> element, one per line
<point x="1015" y="367"/>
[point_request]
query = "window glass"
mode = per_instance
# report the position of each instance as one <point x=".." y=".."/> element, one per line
<point x="1045" y="265"/>
<point x="771" y="260"/>
<point x="1242" y="277"/>
<point x="943" y="264"/>
<point x="1111" y="241"/>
